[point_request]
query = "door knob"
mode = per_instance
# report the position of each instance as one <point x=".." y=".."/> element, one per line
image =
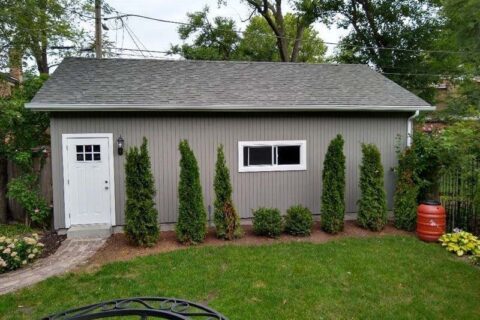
<point x="106" y="188"/>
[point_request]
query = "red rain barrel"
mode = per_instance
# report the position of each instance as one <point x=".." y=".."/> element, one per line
<point x="431" y="221"/>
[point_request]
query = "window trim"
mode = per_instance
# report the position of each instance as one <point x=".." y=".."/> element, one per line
<point x="274" y="167"/>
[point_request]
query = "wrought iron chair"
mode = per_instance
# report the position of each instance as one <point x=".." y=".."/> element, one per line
<point x="143" y="307"/>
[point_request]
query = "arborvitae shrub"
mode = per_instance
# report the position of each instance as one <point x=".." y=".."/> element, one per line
<point x="372" y="211"/>
<point x="298" y="221"/>
<point x="267" y="222"/>
<point x="227" y="221"/>
<point x="333" y="194"/>
<point x="192" y="218"/>
<point x="233" y="230"/>
<point x="406" y="193"/>
<point x="141" y="226"/>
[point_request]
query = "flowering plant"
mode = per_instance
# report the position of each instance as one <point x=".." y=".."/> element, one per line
<point x="17" y="252"/>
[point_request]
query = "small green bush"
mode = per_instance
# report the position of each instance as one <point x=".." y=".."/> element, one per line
<point x="192" y="218"/>
<point x="25" y="191"/>
<point x="141" y="216"/>
<point x="372" y="211"/>
<point x="406" y="193"/>
<point x="333" y="194"/>
<point x="298" y="221"/>
<point x="267" y="222"/>
<point x="227" y="221"/>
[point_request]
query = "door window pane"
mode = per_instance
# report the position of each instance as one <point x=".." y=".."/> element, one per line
<point x="260" y="156"/>
<point x="288" y="155"/>
<point x="88" y="152"/>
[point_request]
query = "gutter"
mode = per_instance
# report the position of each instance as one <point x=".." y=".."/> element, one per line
<point x="217" y="108"/>
<point x="410" y="127"/>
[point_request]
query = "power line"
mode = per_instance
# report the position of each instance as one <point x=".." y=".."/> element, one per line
<point x="290" y="38"/>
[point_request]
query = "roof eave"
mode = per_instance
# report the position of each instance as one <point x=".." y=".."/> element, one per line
<point x="218" y="108"/>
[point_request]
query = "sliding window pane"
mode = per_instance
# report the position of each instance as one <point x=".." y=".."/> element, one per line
<point x="260" y="156"/>
<point x="288" y="155"/>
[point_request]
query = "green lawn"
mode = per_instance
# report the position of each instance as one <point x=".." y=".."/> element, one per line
<point x="12" y="230"/>
<point x="374" y="278"/>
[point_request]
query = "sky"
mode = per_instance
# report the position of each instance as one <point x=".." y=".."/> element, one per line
<point x="159" y="36"/>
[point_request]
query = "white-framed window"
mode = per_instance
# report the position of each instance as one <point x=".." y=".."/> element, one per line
<point x="284" y="155"/>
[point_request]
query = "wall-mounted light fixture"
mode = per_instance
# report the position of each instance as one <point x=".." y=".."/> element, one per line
<point x="120" y="145"/>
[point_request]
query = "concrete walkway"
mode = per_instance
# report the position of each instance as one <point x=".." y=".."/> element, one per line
<point x="72" y="253"/>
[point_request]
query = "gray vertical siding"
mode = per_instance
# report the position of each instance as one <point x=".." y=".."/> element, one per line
<point x="206" y="131"/>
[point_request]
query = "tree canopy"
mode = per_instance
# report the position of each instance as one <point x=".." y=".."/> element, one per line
<point x="220" y="39"/>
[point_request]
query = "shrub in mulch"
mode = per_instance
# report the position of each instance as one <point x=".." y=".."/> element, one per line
<point x="267" y="222"/>
<point x="227" y="221"/>
<point x="372" y="205"/>
<point x="298" y="221"/>
<point x="191" y="227"/>
<point x="333" y="193"/>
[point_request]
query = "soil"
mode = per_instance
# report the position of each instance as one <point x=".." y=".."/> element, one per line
<point x="117" y="247"/>
<point x="51" y="241"/>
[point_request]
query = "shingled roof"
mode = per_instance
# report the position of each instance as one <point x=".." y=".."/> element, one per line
<point x="131" y="84"/>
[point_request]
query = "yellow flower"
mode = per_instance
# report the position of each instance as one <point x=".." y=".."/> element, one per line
<point x="13" y="254"/>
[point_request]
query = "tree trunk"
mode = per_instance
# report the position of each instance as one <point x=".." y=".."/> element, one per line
<point x="3" y="190"/>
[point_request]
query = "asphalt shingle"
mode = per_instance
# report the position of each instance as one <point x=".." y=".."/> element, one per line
<point x="217" y="83"/>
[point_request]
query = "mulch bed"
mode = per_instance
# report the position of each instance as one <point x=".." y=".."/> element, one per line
<point x="117" y="247"/>
<point x="51" y="241"/>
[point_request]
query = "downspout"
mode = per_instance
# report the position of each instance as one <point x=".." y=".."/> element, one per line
<point x="410" y="127"/>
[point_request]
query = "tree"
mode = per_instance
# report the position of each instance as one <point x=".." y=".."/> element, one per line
<point x="33" y="28"/>
<point x="220" y="40"/>
<point x="463" y="31"/>
<point x="141" y="217"/>
<point x="333" y="193"/>
<point x="377" y="26"/>
<point x="372" y="205"/>
<point x="21" y="132"/>
<point x="227" y="221"/>
<point x="192" y="218"/>
<point x="259" y="42"/>
<point x="306" y="12"/>
<point x="217" y="41"/>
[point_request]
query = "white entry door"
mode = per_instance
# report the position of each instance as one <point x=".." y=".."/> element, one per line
<point x="88" y="175"/>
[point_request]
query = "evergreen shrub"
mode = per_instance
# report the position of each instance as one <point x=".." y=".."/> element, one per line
<point x="267" y="222"/>
<point x="298" y="221"/>
<point x="141" y="216"/>
<point x="333" y="194"/>
<point x="191" y="227"/>
<point x="372" y="211"/>
<point x="227" y="221"/>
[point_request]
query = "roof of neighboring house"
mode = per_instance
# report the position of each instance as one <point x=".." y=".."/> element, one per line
<point x="134" y="84"/>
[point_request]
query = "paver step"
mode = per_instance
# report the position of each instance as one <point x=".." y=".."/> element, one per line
<point x="89" y="231"/>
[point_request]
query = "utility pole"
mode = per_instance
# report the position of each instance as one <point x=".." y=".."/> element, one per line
<point x="98" y="29"/>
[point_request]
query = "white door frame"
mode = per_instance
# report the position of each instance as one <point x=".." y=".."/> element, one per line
<point x="67" y="136"/>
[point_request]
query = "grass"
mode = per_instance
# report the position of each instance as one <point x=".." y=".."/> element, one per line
<point x="13" y="230"/>
<point x="371" y="278"/>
